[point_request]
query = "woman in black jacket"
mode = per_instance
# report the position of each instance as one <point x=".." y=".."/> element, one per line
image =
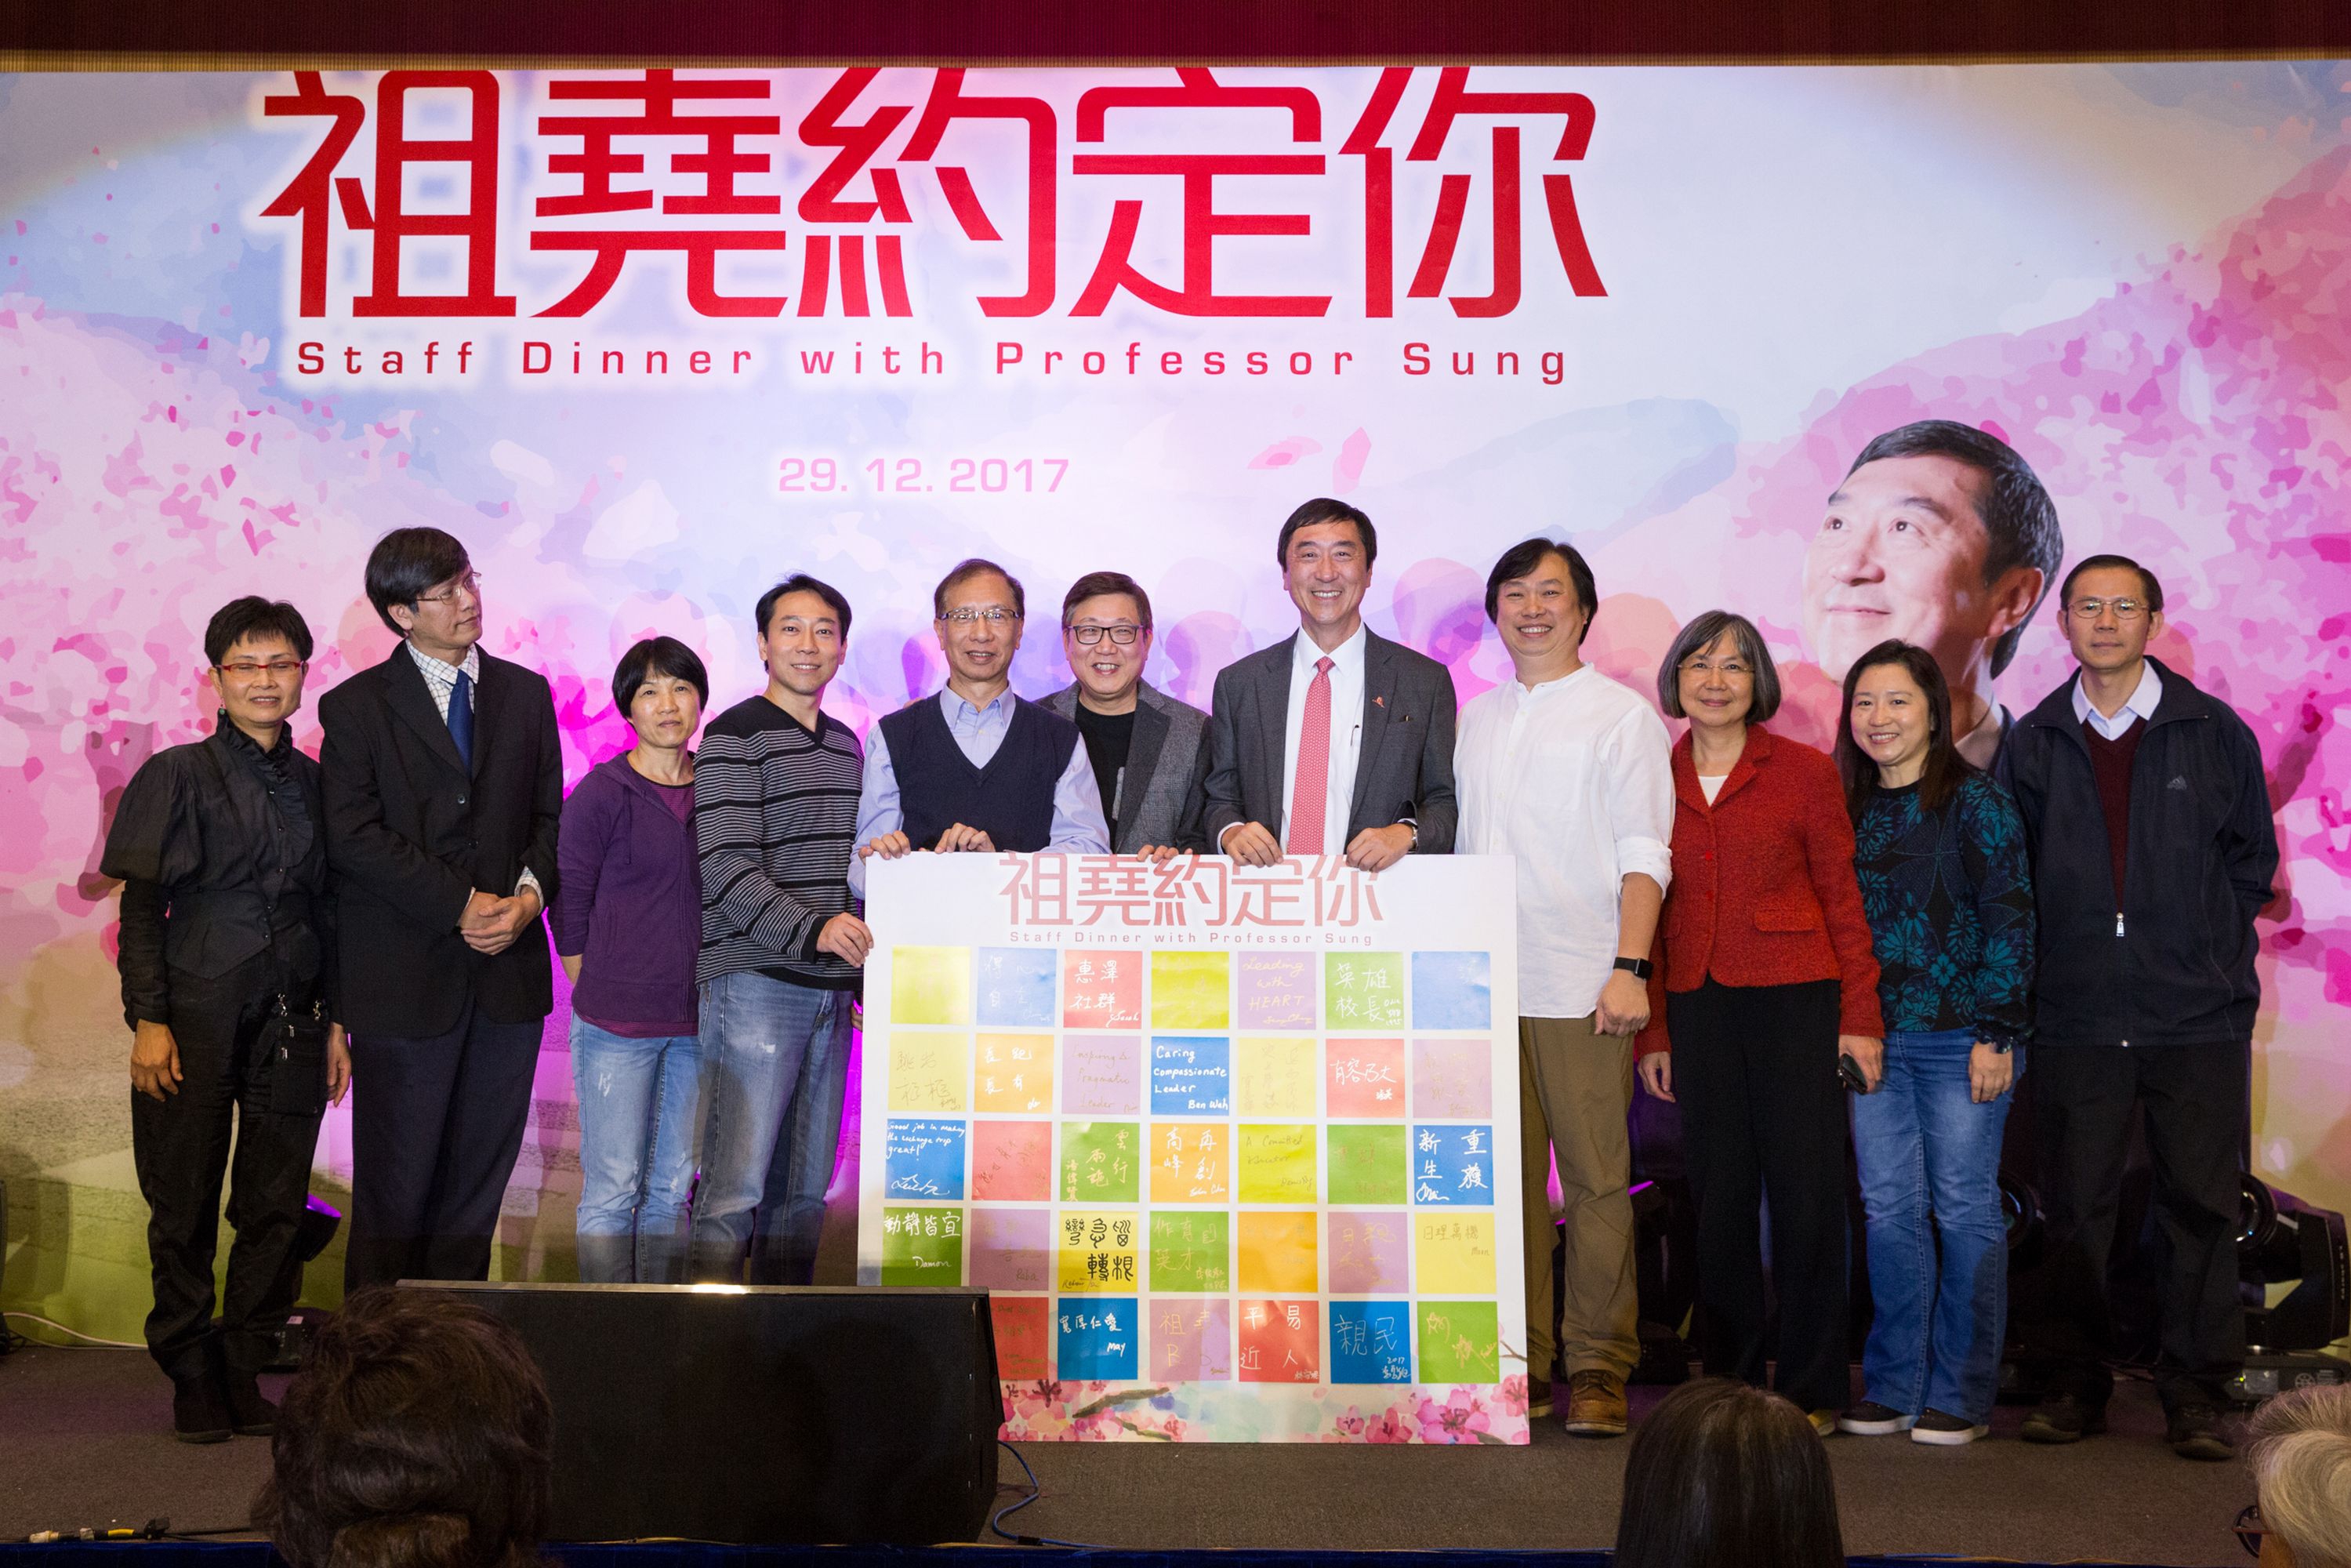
<point x="228" y="987"/>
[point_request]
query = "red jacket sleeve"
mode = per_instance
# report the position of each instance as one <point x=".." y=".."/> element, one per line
<point x="1828" y="854"/>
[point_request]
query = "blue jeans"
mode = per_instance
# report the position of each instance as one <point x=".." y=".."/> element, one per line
<point x="757" y="1032"/>
<point x="1929" y="1160"/>
<point x="791" y="1209"/>
<point x="640" y="1108"/>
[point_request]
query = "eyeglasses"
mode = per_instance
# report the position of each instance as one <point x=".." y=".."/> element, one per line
<point x="2249" y="1529"/>
<point x="994" y="614"/>
<point x="2091" y="608"/>
<point x="1728" y="669"/>
<point x="247" y="669"/>
<point x="471" y="582"/>
<point x="1124" y="634"/>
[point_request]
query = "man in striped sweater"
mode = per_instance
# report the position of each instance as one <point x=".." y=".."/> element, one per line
<point x="775" y="822"/>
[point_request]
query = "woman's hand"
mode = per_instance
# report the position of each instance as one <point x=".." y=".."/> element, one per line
<point x="1656" y="1071"/>
<point x="1990" y="1071"/>
<point x="1869" y="1053"/>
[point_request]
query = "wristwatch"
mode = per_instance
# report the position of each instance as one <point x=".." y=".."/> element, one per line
<point x="1638" y="968"/>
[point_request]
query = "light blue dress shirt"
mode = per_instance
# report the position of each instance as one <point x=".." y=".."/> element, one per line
<point x="1079" y="828"/>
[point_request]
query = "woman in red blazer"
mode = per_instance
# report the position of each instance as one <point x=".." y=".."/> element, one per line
<point x="1765" y="976"/>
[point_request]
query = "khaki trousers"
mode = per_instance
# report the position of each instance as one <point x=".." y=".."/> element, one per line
<point x="1574" y="1089"/>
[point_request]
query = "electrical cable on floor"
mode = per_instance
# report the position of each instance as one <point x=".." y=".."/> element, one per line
<point x="1035" y="1491"/>
<point x="95" y="1342"/>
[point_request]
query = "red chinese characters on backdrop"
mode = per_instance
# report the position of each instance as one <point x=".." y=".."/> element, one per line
<point x="616" y="165"/>
<point x="1189" y="893"/>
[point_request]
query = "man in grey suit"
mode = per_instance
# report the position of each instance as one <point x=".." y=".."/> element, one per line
<point x="1150" y="752"/>
<point x="1333" y="740"/>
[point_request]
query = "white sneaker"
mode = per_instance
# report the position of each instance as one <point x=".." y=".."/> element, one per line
<point x="1948" y="1431"/>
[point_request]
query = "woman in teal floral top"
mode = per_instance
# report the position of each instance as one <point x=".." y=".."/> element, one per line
<point x="1939" y="850"/>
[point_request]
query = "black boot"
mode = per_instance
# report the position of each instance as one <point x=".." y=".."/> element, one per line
<point x="249" y="1412"/>
<point x="200" y="1412"/>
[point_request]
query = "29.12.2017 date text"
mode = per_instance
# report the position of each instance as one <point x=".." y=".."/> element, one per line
<point x="917" y="476"/>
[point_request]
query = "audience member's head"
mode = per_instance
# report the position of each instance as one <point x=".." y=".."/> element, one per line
<point x="416" y="1436"/>
<point x="2299" y="1450"/>
<point x="1725" y="1476"/>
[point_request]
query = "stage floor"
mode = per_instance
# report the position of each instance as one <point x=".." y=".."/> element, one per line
<point x="84" y="1440"/>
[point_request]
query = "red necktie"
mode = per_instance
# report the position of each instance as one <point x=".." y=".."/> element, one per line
<point x="1309" y="803"/>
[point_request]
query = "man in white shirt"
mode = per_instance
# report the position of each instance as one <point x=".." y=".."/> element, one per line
<point x="1571" y="772"/>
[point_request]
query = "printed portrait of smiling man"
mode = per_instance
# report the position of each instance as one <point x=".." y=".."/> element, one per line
<point x="1943" y="537"/>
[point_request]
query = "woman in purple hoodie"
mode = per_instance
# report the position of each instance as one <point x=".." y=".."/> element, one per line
<point x="628" y="924"/>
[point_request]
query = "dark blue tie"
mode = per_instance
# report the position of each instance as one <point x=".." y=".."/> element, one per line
<point x="460" y="717"/>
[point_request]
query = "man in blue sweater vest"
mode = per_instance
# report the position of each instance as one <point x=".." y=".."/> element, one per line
<point x="977" y="767"/>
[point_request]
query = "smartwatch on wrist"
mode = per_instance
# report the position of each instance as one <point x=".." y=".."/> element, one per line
<point x="1638" y="968"/>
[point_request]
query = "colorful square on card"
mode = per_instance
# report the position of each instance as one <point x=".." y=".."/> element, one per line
<point x="1453" y="1166"/>
<point x="1367" y="1164"/>
<point x="1100" y="1162"/>
<point x="1362" y="1078"/>
<point x="1191" y="1162"/>
<point x="1273" y="1077"/>
<point x="1012" y="1161"/>
<point x="1011" y="1249"/>
<point x="930" y="984"/>
<point x="1095" y="1339"/>
<point x="922" y="1246"/>
<point x="1281" y="1342"/>
<point x="1275" y="1164"/>
<point x="1191" y="1075"/>
<point x="1460" y="1341"/>
<point x="1362" y="991"/>
<point x="1453" y="1079"/>
<point x="1277" y="991"/>
<point x="1371" y="1342"/>
<point x="1191" y="1339"/>
<point x="1102" y="988"/>
<point x="928" y="1072"/>
<point x="1014" y="1073"/>
<point x="1452" y="990"/>
<point x="1016" y="986"/>
<point x="922" y="1160"/>
<point x="1453" y="1254"/>
<point x="1192" y="1251"/>
<point x="1098" y="1249"/>
<point x="1102" y="1074"/>
<point x="1277" y="1250"/>
<point x="1022" y="1344"/>
<point x="1191" y="991"/>
<point x="1369" y="1253"/>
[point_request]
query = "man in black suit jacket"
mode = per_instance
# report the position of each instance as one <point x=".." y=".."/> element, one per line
<point x="1371" y="716"/>
<point x="443" y="781"/>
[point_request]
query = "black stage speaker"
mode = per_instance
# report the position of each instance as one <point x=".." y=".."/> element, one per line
<point x="762" y="1414"/>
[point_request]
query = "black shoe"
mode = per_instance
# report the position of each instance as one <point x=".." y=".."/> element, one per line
<point x="2194" y="1433"/>
<point x="200" y="1412"/>
<point x="249" y="1412"/>
<point x="2063" y="1419"/>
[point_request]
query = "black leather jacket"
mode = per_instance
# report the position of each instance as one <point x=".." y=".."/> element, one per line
<point x="219" y="851"/>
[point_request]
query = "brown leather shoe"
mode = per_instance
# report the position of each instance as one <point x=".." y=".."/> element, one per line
<point x="1596" y="1405"/>
<point x="1538" y="1399"/>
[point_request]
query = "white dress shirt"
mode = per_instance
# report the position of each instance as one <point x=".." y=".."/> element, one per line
<point x="1575" y="777"/>
<point x="441" y="680"/>
<point x="1346" y="733"/>
<point x="1079" y="828"/>
<point x="2139" y="705"/>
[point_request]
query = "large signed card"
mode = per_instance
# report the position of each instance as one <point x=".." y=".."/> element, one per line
<point x="1235" y="1149"/>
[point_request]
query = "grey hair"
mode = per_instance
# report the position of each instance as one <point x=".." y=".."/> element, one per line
<point x="1699" y="635"/>
<point x="2301" y="1457"/>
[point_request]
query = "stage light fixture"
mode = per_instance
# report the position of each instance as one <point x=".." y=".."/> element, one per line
<point x="2284" y="1241"/>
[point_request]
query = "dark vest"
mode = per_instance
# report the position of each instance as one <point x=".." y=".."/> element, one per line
<point x="1010" y="799"/>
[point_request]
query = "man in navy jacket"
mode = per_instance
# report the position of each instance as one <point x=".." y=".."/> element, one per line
<point x="2153" y="849"/>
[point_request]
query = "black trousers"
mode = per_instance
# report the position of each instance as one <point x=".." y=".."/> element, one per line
<point x="1763" y="1117"/>
<point x="436" y="1122"/>
<point x="181" y="1148"/>
<point x="2194" y="1099"/>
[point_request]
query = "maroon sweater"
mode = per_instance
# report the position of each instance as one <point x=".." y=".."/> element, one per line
<point x="2111" y="761"/>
